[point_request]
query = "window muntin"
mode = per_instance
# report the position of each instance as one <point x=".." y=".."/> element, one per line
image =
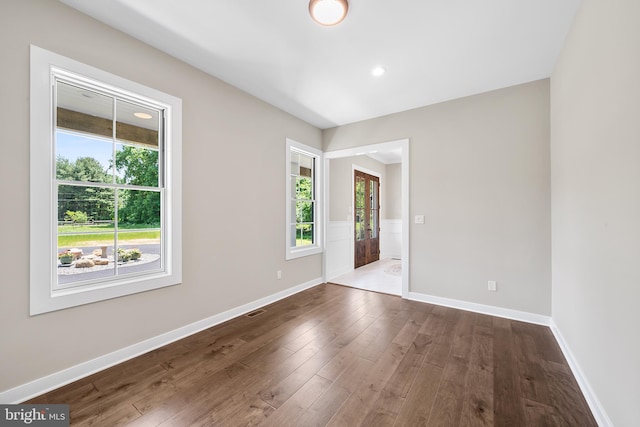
<point x="303" y="201"/>
<point x="93" y="194"/>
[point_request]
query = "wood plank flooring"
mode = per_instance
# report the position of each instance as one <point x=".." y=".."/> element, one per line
<point x="339" y="356"/>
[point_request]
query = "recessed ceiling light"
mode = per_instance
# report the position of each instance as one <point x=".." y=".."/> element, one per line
<point x="143" y="115"/>
<point x="328" y="12"/>
<point x="378" y="71"/>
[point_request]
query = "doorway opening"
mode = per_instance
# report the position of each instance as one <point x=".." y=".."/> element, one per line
<point x="374" y="227"/>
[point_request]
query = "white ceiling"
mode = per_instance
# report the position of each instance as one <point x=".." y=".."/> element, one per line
<point x="433" y="50"/>
<point x="386" y="157"/>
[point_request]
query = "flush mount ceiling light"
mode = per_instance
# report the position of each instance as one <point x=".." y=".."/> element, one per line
<point x="143" y="115"/>
<point x="328" y="12"/>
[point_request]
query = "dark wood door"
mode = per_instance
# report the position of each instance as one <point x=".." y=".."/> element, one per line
<point x="366" y="218"/>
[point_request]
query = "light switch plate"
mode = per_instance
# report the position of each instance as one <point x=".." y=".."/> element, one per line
<point x="419" y="219"/>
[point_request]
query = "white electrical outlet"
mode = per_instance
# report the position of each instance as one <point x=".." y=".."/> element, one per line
<point x="279" y="274"/>
<point x="492" y="285"/>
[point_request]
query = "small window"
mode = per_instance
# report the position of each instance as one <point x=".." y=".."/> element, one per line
<point x="105" y="185"/>
<point x="303" y="200"/>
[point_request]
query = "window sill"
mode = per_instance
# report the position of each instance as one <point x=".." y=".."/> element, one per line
<point x="303" y="252"/>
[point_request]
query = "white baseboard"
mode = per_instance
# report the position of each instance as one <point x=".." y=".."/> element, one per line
<point x="58" y="379"/>
<point x="597" y="410"/>
<point x="339" y="273"/>
<point x="507" y="313"/>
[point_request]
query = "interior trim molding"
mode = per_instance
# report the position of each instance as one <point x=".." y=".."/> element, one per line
<point x="491" y="310"/>
<point x="61" y="378"/>
<point x="596" y="407"/>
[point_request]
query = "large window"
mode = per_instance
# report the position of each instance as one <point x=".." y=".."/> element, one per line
<point x="303" y="198"/>
<point x="105" y="194"/>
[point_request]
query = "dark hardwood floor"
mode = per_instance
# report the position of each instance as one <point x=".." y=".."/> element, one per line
<point x="340" y="356"/>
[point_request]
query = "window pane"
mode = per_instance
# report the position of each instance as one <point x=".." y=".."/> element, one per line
<point x="136" y="165"/>
<point x="302" y="168"/>
<point x="138" y="209"/>
<point x="373" y="194"/>
<point x="306" y="165"/>
<point x="137" y="159"/>
<point x="83" y="158"/>
<point x="359" y="192"/>
<point x="304" y="188"/>
<point x="137" y="124"/>
<point x="84" y="128"/>
<point x="79" y="204"/>
<point x="304" y="234"/>
<point x="139" y="251"/>
<point x="86" y="232"/>
<point x="139" y="231"/>
<point x="374" y="204"/>
<point x="89" y="265"/>
<point x="83" y="110"/>
<point x="304" y="212"/>
<point x="360" y="224"/>
<point x="295" y="163"/>
<point x="373" y="223"/>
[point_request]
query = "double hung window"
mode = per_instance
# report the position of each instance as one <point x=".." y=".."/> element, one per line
<point x="105" y="185"/>
<point x="303" y="200"/>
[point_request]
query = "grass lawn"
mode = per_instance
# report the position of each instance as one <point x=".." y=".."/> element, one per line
<point x="102" y="227"/>
<point x="98" y="239"/>
<point x="103" y="234"/>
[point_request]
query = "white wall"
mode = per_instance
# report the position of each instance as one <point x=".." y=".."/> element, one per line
<point x="234" y="163"/>
<point x="480" y="175"/>
<point x="595" y="150"/>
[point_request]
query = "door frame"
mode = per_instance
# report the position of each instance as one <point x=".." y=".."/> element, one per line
<point x="403" y="144"/>
<point x="359" y="168"/>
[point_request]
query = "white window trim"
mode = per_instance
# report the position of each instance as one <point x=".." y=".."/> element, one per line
<point x="316" y="248"/>
<point x="43" y="247"/>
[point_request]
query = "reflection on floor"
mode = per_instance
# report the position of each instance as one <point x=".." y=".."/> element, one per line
<point x="380" y="276"/>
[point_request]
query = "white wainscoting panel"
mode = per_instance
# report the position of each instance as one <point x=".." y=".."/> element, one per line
<point x="390" y="238"/>
<point x="339" y="248"/>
